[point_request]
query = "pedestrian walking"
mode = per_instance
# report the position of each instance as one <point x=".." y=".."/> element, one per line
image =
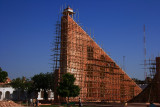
<point x="80" y="103"/>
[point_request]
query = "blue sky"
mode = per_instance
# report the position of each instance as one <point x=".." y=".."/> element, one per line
<point x="27" y="31"/>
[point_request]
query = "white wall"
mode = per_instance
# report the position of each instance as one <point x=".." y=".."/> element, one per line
<point x="5" y="93"/>
<point x="50" y="95"/>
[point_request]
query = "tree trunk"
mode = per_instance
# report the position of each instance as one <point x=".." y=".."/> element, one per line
<point x="19" y="94"/>
<point x="68" y="100"/>
<point x="45" y="95"/>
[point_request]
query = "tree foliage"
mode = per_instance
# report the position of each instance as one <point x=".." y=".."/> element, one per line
<point x="137" y="81"/>
<point x="67" y="88"/>
<point x="44" y="81"/>
<point x="3" y="75"/>
<point x="40" y="81"/>
<point x="21" y="83"/>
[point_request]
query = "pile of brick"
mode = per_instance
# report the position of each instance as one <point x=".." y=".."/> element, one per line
<point x="9" y="104"/>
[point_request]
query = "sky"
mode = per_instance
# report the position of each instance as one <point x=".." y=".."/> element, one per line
<point x="27" y="30"/>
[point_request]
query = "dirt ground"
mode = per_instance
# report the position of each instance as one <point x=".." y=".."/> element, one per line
<point x="9" y="103"/>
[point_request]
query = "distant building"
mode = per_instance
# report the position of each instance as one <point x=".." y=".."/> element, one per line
<point x="49" y="92"/>
<point x="143" y="86"/>
<point x="98" y="76"/>
<point x="6" y="90"/>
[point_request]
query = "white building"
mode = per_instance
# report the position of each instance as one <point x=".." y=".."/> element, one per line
<point x="6" y="92"/>
<point x="41" y="95"/>
<point x="9" y="93"/>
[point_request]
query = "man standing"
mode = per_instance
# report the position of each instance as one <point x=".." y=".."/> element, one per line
<point x="80" y="104"/>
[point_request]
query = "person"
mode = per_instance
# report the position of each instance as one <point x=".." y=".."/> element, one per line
<point x="34" y="102"/>
<point x="30" y="102"/>
<point x="80" y="104"/>
<point x="37" y="103"/>
<point x="152" y="105"/>
<point x="125" y="104"/>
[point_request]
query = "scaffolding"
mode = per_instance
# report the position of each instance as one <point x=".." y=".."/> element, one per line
<point x="57" y="46"/>
<point x="98" y="76"/>
<point x="152" y="92"/>
<point x="151" y="68"/>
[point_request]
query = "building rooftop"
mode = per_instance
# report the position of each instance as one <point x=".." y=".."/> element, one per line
<point x="68" y="11"/>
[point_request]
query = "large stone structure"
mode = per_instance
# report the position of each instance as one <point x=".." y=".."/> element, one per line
<point x="98" y="76"/>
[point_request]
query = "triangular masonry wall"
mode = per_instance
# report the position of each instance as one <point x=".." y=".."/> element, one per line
<point x="98" y="76"/>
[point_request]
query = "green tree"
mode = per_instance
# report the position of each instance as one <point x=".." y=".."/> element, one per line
<point x="22" y="85"/>
<point x="3" y="75"/>
<point x="137" y="81"/>
<point x="67" y="88"/>
<point x="44" y="81"/>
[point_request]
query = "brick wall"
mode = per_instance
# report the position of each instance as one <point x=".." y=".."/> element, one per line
<point x="98" y="76"/>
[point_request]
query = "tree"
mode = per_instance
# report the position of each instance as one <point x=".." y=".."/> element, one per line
<point x="22" y="85"/>
<point x="44" y="81"/>
<point x="67" y="88"/>
<point x="148" y="80"/>
<point x="3" y="75"/>
<point x="137" y="81"/>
